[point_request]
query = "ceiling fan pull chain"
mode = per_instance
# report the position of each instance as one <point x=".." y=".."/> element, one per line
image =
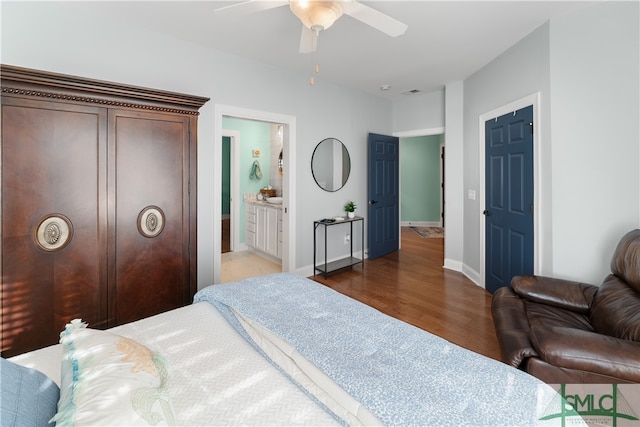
<point x="312" y="79"/>
<point x="316" y="67"/>
<point x="317" y="70"/>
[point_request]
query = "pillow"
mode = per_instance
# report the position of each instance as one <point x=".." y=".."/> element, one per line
<point x="29" y="397"/>
<point x="110" y="380"/>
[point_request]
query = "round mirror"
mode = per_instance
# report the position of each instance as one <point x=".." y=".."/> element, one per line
<point x="330" y="164"/>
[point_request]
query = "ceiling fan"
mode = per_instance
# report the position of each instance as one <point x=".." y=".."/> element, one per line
<point x="318" y="15"/>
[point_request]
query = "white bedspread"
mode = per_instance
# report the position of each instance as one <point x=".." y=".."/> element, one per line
<point x="402" y="375"/>
<point x="217" y="378"/>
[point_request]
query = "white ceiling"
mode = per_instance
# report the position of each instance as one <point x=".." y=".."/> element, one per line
<point x="446" y="41"/>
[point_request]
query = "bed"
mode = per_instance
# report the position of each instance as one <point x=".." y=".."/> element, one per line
<point x="274" y="350"/>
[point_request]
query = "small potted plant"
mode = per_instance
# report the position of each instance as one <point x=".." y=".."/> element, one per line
<point x="350" y="209"/>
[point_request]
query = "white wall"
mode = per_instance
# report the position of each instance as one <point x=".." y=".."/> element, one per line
<point x="595" y="77"/>
<point x="517" y="73"/>
<point x="585" y="67"/>
<point x="53" y="36"/>
<point x="454" y="173"/>
<point x="419" y="111"/>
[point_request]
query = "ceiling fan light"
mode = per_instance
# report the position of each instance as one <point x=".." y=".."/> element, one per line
<point x="316" y="14"/>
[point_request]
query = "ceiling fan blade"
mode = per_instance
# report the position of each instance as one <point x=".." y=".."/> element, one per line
<point x="250" y="6"/>
<point x="308" y="40"/>
<point x="375" y="19"/>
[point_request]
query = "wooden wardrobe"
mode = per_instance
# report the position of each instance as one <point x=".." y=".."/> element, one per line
<point x="98" y="204"/>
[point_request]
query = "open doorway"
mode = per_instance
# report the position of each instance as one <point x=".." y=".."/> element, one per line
<point x="421" y="180"/>
<point x="251" y="181"/>
<point x="422" y="183"/>
<point x="245" y="153"/>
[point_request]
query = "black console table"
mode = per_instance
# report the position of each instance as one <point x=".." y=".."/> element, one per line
<point x="329" y="267"/>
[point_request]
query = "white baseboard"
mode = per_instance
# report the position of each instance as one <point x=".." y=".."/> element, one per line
<point x="454" y="265"/>
<point x="473" y="275"/>
<point x="308" y="271"/>
<point x="460" y="267"/>
<point x="449" y="264"/>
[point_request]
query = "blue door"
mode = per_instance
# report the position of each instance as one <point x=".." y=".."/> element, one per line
<point x="383" y="188"/>
<point x="509" y="198"/>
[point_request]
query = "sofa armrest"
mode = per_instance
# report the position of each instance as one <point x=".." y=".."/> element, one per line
<point x="588" y="351"/>
<point x="561" y="293"/>
<point x="512" y="327"/>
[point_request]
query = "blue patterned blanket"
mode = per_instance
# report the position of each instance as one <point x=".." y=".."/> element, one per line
<point x="402" y="374"/>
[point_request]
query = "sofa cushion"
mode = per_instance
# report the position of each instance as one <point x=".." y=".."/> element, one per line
<point x="616" y="310"/>
<point x="548" y="316"/>
<point x="575" y="349"/>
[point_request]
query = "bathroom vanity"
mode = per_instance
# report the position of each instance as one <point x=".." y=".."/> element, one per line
<point x="263" y="228"/>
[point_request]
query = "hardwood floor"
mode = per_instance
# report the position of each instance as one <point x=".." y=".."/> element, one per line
<point x="226" y="236"/>
<point x="411" y="285"/>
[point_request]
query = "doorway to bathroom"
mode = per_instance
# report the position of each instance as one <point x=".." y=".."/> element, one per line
<point x="251" y="170"/>
<point x="252" y="156"/>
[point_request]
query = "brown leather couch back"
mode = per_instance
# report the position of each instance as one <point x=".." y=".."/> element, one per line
<point x="615" y="310"/>
<point x="626" y="259"/>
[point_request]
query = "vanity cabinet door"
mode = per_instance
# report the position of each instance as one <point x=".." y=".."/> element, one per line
<point x="265" y="233"/>
<point x="271" y="232"/>
<point x="261" y="228"/>
<point x="250" y="225"/>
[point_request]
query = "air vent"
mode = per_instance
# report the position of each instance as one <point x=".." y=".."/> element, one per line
<point x="411" y="92"/>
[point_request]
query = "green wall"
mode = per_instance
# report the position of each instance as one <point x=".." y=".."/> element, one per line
<point x="420" y="178"/>
<point x="253" y="135"/>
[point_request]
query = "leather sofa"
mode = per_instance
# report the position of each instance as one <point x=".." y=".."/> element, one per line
<point x="565" y="332"/>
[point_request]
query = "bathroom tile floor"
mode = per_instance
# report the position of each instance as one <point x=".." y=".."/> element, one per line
<point x="240" y="265"/>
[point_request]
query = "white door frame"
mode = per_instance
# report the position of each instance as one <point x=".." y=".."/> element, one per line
<point x="533" y="99"/>
<point x="288" y="181"/>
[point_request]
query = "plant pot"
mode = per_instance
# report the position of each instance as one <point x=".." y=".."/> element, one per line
<point x="351" y="214"/>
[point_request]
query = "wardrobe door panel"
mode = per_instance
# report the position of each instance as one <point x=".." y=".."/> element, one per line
<point x="53" y="170"/>
<point x="151" y="213"/>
